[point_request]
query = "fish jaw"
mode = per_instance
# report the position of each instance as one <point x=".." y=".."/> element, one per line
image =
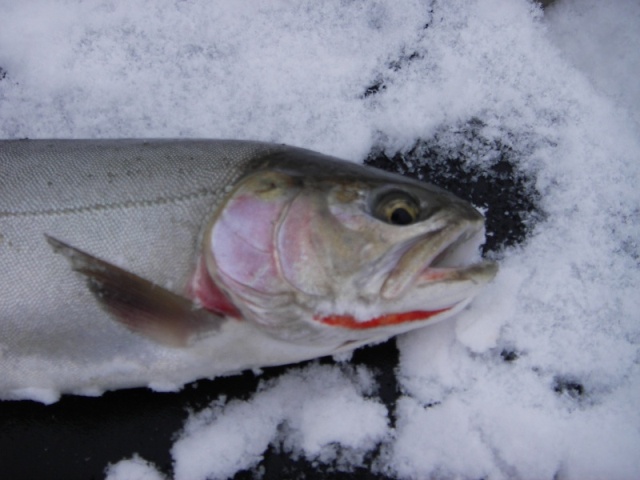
<point x="447" y="258"/>
<point x="434" y="278"/>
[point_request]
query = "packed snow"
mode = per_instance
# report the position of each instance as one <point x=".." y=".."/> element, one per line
<point x="540" y="377"/>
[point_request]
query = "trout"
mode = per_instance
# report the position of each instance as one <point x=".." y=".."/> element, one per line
<point x="127" y="263"/>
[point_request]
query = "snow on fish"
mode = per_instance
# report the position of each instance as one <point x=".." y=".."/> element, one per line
<point x="154" y="263"/>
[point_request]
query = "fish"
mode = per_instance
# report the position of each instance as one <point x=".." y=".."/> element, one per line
<point x="153" y="263"/>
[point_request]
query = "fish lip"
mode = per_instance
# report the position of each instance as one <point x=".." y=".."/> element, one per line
<point x="454" y="257"/>
<point x="470" y="238"/>
<point x="460" y="260"/>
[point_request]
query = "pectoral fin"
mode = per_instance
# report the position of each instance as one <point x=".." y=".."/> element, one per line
<point x="140" y="305"/>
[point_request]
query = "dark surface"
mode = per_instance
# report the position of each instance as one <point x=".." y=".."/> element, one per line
<point x="79" y="436"/>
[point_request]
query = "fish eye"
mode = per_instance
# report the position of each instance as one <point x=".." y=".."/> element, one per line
<point x="397" y="208"/>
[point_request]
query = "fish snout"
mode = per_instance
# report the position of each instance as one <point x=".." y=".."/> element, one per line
<point x="449" y="255"/>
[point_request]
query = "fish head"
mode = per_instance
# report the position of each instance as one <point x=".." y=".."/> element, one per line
<point x="321" y="250"/>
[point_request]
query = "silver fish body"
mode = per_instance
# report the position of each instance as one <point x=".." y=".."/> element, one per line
<point x="198" y="258"/>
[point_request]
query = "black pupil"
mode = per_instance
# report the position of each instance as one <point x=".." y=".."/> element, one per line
<point x="400" y="216"/>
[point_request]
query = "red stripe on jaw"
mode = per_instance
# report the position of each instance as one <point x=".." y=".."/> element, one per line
<point x="348" y="321"/>
<point x="204" y="289"/>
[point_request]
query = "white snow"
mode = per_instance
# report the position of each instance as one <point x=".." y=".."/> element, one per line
<point x="560" y="88"/>
<point x="305" y="412"/>
<point x="134" y="468"/>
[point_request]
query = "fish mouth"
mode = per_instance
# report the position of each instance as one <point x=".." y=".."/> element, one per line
<point x="427" y="278"/>
<point x="446" y="262"/>
<point x="434" y="277"/>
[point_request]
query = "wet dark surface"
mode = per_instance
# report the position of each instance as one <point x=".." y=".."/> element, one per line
<point x="78" y="437"/>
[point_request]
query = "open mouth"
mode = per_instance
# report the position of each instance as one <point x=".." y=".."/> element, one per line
<point x="448" y="255"/>
<point x="448" y="259"/>
<point x="459" y="259"/>
<point x="460" y="252"/>
<point x="433" y="276"/>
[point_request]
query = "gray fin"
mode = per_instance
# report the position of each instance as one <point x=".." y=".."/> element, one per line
<point x="140" y="305"/>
